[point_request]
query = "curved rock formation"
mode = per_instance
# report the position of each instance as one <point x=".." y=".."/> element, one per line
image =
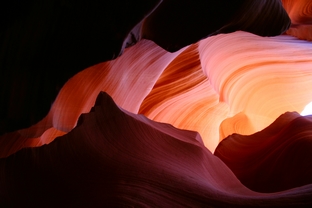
<point x="300" y="13"/>
<point x="114" y="158"/>
<point x="172" y="88"/>
<point x="128" y="79"/>
<point x="274" y="159"/>
<point x="43" y="44"/>
<point x="216" y="86"/>
<point x="258" y="77"/>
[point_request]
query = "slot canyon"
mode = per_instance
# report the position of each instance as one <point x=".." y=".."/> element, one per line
<point x="155" y="103"/>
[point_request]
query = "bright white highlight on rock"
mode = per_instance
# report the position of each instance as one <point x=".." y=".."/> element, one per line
<point x="307" y="110"/>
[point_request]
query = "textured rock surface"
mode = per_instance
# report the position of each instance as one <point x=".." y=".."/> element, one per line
<point x="43" y="44"/>
<point x="300" y="13"/>
<point x="274" y="159"/>
<point x="50" y="41"/>
<point x="190" y="89"/>
<point x="216" y="86"/>
<point x="115" y="158"/>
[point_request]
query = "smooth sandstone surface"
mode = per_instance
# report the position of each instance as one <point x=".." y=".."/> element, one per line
<point x="116" y="158"/>
<point x="103" y="106"/>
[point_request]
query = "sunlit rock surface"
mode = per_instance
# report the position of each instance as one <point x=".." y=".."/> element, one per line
<point x="259" y="78"/>
<point x="43" y="44"/>
<point x="227" y="83"/>
<point x="197" y="88"/>
<point x="128" y="79"/>
<point x="115" y="158"/>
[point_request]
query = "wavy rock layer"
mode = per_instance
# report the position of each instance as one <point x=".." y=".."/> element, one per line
<point x="128" y="79"/>
<point x="225" y="84"/>
<point x="300" y="13"/>
<point x="183" y="96"/>
<point x="274" y="159"/>
<point x="259" y="78"/>
<point x="201" y="87"/>
<point x="43" y="44"/>
<point x="116" y="158"/>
